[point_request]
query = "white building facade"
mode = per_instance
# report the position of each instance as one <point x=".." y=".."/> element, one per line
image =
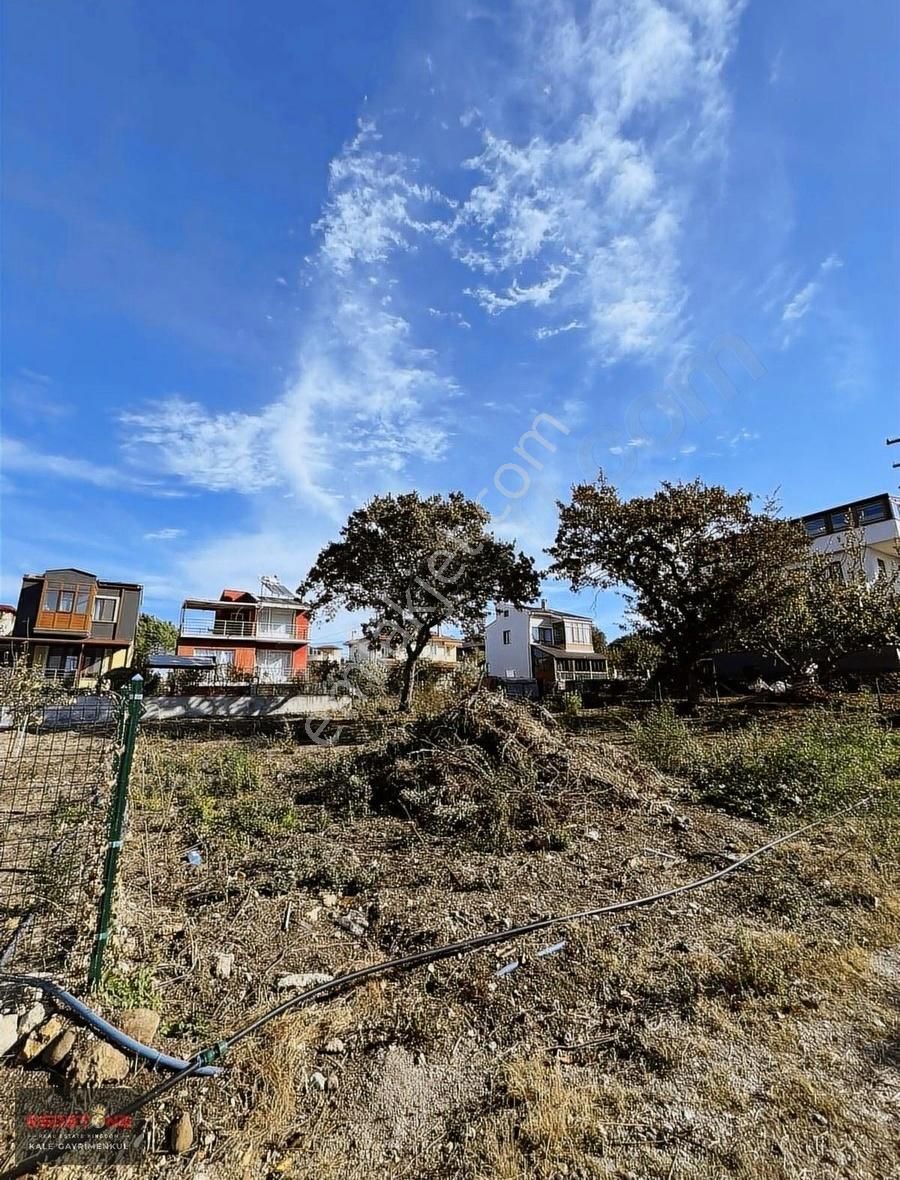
<point x="866" y="531"/>
<point x="536" y="643"/>
<point x="440" y="649"/>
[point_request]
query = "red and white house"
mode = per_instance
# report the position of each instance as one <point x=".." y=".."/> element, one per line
<point x="262" y="636"/>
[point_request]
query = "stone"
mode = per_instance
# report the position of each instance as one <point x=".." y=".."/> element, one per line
<point x="355" y="921"/>
<point x="140" y="1023"/>
<point x="335" y="1045"/>
<point x="29" y="1020"/>
<point x="181" y="1134"/>
<point x="334" y="1082"/>
<point x="223" y="964"/>
<point x="9" y="1031"/>
<point x="38" y="1039"/>
<point x="592" y="834"/>
<point x="329" y="900"/>
<point x="59" y="1048"/>
<point x="93" y="1062"/>
<point x="303" y="981"/>
<point x="318" y="1080"/>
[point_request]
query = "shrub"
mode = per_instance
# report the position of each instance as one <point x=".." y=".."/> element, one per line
<point x="666" y="741"/>
<point x="824" y="761"/>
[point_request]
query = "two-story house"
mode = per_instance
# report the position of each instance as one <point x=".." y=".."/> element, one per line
<point x="864" y="531"/>
<point x="440" y="649"/>
<point x="326" y="653"/>
<point x="536" y="643"/>
<point x="75" y="626"/>
<point x="262" y="636"/>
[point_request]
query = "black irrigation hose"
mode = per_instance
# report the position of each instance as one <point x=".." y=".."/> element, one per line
<point x="417" y="958"/>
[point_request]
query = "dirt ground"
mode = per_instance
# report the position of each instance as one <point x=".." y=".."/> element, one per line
<point x="746" y="1030"/>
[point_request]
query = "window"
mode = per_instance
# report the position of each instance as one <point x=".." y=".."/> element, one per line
<point x="815" y="526"/>
<point x="841" y="520"/>
<point x="105" y="609"/>
<point x="582" y="665"/>
<point x="59" y="662"/>
<point x="542" y="634"/>
<point x="869" y="513"/>
<point x="836" y="571"/>
<point x="579" y="632"/>
<point x="67" y="600"/>
<point x="507" y="637"/>
<point x="222" y="656"/>
<point x="882" y="567"/>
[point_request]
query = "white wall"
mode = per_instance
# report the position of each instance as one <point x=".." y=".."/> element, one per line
<point x="512" y="660"/>
<point x="884" y="533"/>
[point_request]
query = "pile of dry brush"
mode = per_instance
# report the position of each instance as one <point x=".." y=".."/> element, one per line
<point x="493" y="768"/>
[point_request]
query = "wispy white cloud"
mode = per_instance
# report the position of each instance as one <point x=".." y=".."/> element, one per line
<point x="737" y="438"/>
<point x="454" y="317"/>
<point x="364" y="399"/>
<point x="545" y="333"/>
<point x="21" y="457"/>
<point x="538" y="294"/>
<point x="801" y="301"/>
<point x="164" y="535"/>
<point x="600" y="181"/>
<point x="373" y="207"/>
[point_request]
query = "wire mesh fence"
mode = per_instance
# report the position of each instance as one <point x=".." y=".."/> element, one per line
<point x="57" y="774"/>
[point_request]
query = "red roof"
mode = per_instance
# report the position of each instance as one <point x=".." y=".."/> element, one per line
<point x="7" y="609"/>
<point x="237" y="596"/>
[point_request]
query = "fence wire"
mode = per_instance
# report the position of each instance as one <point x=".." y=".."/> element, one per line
<point x="56" y="775"/>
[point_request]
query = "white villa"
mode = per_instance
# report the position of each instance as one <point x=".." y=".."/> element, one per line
<point x="536" y="643"/>
<point x="867" y="528"/>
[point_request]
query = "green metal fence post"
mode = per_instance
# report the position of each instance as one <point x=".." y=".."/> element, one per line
<point x="129" y="721"/>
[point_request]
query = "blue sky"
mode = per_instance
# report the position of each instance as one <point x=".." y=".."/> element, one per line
<point x="263" y="260"/>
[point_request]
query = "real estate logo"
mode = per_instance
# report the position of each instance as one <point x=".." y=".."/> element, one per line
<point x="83" y="1122"/>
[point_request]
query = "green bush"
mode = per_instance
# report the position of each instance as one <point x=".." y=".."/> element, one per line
<point x="664" y="740"/>
<point x="824" y="761"/>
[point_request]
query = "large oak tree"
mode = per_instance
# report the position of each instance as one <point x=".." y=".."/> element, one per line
<point x="696" y="564"/>
<point x="418" y="564"/>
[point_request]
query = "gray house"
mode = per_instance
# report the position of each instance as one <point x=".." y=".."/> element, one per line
<point x="75" y="626"/>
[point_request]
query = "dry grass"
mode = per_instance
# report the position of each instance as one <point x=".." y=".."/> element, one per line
<point x="749" y="1031"/>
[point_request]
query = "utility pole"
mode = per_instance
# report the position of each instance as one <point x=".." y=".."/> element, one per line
<point x="891" y="442"/>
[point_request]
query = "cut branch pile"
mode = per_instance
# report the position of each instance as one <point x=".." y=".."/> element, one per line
<point x="494" y="768"/>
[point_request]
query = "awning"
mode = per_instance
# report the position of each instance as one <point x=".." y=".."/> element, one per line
<point x="168" y="659"/>
<point x="562" y="653"/>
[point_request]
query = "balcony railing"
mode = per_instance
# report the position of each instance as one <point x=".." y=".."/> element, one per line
<point x="61" y="676"/>
<point x="603" y="674"/>
<point x="205" y="625"/>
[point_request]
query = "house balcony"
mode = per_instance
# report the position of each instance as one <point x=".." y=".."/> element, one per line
<point x="209" y="624"/>
<point x="567" y="677"/>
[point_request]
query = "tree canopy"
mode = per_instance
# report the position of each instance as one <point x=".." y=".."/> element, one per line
<point x="418" y="564"/>
<point x="697" y="566"/>
<point x="598" y="639"/>
<point x="153" y="634"/>
<point x="634" y="654"/>
<point x="837" y="611"/>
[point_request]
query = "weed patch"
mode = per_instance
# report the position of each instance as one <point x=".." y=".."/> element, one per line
<point x="823" y="761"/>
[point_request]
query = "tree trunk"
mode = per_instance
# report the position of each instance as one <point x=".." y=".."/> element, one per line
<point x="409" y="668"/>
<point x="408" y="683"/>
